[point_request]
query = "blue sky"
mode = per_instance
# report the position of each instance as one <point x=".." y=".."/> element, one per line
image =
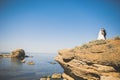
<point x="51" y="25"/>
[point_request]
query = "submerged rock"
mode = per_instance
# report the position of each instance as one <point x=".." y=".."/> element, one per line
<point x="52" y="62"/>
<point x="31" y="63"/>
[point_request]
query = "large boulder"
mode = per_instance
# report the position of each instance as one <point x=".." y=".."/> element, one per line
<point x="18" y="53"/>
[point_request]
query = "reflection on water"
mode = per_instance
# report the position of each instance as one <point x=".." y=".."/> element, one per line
<point x="14" y="69"/>
<point x="16" y="61"/>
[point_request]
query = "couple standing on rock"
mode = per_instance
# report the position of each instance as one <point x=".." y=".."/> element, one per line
<point x="102" y="34"/>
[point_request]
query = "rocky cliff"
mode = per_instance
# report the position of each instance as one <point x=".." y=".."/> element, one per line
<point x="96" y="60"/>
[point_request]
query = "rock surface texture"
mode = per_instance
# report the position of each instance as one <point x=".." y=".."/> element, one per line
<point x="96" y="60"/>
<point x="18" y="53"/>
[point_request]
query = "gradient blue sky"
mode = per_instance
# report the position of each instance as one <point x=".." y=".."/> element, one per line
<point x="51" y="25"/>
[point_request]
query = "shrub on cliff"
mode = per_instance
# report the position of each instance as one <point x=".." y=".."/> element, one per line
<point x="117" y="38"/>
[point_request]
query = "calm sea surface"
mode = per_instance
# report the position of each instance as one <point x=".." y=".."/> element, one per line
<point x="13" y="69"/>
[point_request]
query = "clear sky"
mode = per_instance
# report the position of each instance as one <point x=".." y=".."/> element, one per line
<point x="51" y="25"/>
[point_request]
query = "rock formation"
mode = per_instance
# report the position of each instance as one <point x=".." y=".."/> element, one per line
<point x="18" y="53"/>
<point x="56" y="76"/>
<point x="96" y="60"/>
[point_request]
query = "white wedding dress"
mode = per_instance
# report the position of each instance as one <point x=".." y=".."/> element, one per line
<point x="100" y="36"/>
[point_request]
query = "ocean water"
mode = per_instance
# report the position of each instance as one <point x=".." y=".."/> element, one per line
<point x="13" y="69"/>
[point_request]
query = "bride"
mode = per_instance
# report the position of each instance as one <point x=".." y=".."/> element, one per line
<point x="102" y="34"/>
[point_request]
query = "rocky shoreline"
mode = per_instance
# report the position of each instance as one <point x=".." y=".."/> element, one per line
<point x="96" y="60"/>
<point x="58" y="76"/>
<point x="55" y="76"/>
<point x="18" y="53"/>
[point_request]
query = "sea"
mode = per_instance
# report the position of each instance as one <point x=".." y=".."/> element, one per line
<point x="14" y="69"/>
